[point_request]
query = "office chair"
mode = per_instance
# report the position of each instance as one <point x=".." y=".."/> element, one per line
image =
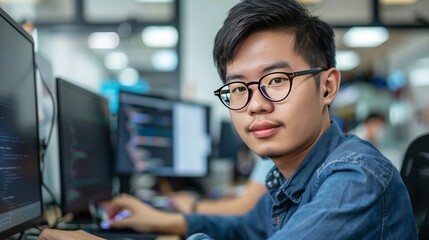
<point x="415" y="174"/>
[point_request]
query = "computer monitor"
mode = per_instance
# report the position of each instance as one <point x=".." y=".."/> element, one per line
<point x="161" y="136"/>
<point x="229" y="142"/>
<point x="85" y="147"/>
<point x="232" y="148"/>
<point x="20" y="178"/>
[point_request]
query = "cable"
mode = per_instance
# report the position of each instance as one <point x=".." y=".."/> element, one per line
<point x="46" y="141"/>
<point x="50" y="193"/>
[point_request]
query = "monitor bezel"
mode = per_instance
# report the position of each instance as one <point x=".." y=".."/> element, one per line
<point x="173" y="100"/>
<point x="21" y="227"/>
<point x="60" y="82"/>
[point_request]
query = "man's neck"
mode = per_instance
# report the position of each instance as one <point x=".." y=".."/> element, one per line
<point x="288" y="164"/>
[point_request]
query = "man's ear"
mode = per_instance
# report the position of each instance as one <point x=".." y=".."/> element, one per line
<point x="329" y="85"/>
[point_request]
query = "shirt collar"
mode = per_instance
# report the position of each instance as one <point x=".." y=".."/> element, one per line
<point x="281" y="188"/>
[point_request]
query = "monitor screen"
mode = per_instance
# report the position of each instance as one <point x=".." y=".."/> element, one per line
<point x="85" y="147"/>
<point x="20" y="181"/>
<point x="229" y="142"/>
<point x="162" y="136"/>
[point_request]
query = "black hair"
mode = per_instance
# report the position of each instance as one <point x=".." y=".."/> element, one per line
<point x="375" y="116"/>
<point x="314" y="38"/>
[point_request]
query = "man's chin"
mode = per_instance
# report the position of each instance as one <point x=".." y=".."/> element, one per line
<point x="268" y="154"/>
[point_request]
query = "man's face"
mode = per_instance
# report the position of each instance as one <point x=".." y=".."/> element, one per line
<point x="282" y="129"/>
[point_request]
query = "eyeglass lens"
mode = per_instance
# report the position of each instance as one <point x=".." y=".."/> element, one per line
<point x="274" y="87"/>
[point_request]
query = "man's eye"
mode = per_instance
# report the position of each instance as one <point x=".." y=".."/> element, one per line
<point x="277" y="81"/>
<point x="240" y="89"/>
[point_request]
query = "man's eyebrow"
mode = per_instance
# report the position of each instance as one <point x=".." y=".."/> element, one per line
<point x="265" y="70"/>
<point x="233" y="76"/>
<point x="275" y="65"/>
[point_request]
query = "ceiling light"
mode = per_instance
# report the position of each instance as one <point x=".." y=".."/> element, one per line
<point x="419" y="77"/>
<point x="347" y="60"/>
<point x="398" y="1"/>
<point x="103" y="40"/>
<point x="116" y="60"/>
<point x="160" y="36"/>
<point x="165" y="60"/>
<point x="128" y="77"/>
<point x="365" y="36"/>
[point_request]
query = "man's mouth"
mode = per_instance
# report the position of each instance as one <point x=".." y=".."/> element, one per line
<point x="263" y="129"/>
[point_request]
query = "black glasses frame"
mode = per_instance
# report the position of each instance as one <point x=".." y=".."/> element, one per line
<point x="291" y="76"/>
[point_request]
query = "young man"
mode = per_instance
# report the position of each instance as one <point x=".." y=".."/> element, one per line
<point x="278" y="65"/>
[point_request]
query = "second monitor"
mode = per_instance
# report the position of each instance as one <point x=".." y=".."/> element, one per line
<point x="162" y="136"/>
<point x="85" y="145"/>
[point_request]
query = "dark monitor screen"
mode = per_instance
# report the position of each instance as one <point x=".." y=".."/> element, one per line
<point x="20" y="192"/>
<point x="85" y="147"/>
<point x="162" y="136"/>
<point x="229" y="142"/>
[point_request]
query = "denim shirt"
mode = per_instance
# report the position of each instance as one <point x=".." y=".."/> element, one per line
<point x="343" y="189"/>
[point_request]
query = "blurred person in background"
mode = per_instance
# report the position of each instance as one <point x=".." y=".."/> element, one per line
<point x="372" y="128"/>
<point x="239" y="204"/>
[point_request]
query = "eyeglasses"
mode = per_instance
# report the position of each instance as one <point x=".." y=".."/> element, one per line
<point x="274" y="86"/>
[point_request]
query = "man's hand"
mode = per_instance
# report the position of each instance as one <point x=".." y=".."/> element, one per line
<point x="144" y="218"/>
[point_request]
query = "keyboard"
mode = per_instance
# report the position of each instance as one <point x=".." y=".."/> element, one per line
<point x="121" y="234"/>
<point x="112" y="234"/>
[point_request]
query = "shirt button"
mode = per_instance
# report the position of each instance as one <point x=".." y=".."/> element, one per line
<point x="276" y="174"/>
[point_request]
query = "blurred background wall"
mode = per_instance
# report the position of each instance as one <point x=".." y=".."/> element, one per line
<point x="164" y="47"/>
